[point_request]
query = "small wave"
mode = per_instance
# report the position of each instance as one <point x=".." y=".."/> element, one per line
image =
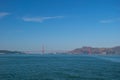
<point x="109" y="58"/>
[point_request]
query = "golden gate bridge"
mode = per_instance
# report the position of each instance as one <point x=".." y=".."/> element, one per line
<point x="47" y="51"/>
<point x="43" y="51"/>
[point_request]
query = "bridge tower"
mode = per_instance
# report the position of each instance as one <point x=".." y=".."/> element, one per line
<point x="43" y="49"/>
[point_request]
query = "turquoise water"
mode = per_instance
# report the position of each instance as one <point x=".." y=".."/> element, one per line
<point x="59" y="67"/>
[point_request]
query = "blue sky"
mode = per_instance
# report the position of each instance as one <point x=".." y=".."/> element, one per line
<point x="59" y="24"/>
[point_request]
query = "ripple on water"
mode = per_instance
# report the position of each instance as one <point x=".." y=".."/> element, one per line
<point x="69" y="67"/>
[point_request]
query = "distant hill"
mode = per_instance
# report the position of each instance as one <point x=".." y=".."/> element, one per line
<point x="91" y="50"/>
<point x="10" y="52"/>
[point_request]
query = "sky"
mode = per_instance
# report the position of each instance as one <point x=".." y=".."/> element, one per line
<point x="59" y="24"/>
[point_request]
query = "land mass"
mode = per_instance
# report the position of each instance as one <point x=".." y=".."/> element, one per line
<point x="91" y="50"/>
<point x="10" y="52"/>
<point x="83" y="50"/>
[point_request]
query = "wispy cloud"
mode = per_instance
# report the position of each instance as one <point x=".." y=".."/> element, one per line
<point x="40" y="19"/>
<point x="110" y="20"/>
<point x="107" y="21"/>
<point x="3" y="14"/>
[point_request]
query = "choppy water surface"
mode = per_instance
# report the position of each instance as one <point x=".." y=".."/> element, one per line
<point x="59" y="67"/>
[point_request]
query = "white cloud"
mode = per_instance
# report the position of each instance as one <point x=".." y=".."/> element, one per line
<point x="110" y="20"/>
<point x="3" y="14"/>
<point x="106" y="21"/>
<point x="39" y="19"/>
<point x="32" y="19"/>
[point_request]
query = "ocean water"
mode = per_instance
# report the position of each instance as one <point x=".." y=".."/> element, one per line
<point x="59" y="67"/>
